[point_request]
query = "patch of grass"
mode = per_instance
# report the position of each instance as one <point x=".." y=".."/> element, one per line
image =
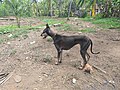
<point x="105" y="22"/>
<point x="7" y="29"/>
<point x="47" y="59"/>
<point x="13" y="30"/>
<point x="13" y="52"/>
<point x="19" y="32"/>
<point x="49" y="39"/>
<point x="36" y="27"/>
<point x="88" y="30"/>
<point x="1" y="40"/>
<point x="10" y="28"/>
<point x="53" y="21"/>
<point x="108" y="22"/>
<point x="65" y="27"/>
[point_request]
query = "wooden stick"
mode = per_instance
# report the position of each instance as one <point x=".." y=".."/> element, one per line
<point x="99" y="69"/>
<point x="7" y="78"/>
<point x="3" y="75"/>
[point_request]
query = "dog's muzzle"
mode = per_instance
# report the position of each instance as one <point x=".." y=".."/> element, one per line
<point x="44" y="35"/>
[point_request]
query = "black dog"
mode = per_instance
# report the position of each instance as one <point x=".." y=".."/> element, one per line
<point x="66" y="42"/>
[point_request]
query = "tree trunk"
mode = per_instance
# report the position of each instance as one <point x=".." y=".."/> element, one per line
<point x="18" y="21"/>
<point x="51" y="8"/>
<point x="60" y="7"/>
<point x="69" y="10"/>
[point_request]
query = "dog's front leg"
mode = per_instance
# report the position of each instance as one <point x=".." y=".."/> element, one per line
<point x="60" y="59"/>
<point x="59" y="56"/>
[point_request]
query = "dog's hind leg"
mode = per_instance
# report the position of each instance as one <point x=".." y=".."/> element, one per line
<point x="88" y="56"/>
<point x="84" y="54"/>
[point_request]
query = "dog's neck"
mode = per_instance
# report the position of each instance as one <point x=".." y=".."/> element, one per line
<point x="51" y="33"/>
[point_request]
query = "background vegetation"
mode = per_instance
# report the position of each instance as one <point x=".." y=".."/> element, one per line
<point x="101" y="11"/>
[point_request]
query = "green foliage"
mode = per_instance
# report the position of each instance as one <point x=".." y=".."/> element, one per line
<point x="108" y="22"/>
<point x="27" y="8"/>
<point x="19" y="32"/>
<point x="51" y="21"/>
<point x="4" y="9"/>
<point x="7" y="29"/>
<point x="88" y="30"/>
<point x="49" y="39"/>
<point x="1" y="40"/>
<point x="104" y="22"/>
<point x="99" y="16"/>
<point x="66" y="27"/>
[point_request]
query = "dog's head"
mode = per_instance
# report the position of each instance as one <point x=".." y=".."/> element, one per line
<point x="46" y="31"/>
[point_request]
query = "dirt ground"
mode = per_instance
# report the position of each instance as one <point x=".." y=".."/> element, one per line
<point x="30" y="62"/>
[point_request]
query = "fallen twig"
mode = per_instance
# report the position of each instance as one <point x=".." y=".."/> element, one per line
<point x="96" y="80"/>
<point x="11" y="19"/>
<point x="7" y="78"/>
<point x="3" y="75"/>
<point x="99" y="69"/>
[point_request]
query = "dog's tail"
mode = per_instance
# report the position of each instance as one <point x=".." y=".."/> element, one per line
<point x="92" y="49"/>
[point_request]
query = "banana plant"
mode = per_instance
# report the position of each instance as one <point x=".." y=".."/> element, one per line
<point x="80" y="3"/>
<point x="35" y="7"/>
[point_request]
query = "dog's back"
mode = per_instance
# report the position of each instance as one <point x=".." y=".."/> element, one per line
<point x="67" y="42"/>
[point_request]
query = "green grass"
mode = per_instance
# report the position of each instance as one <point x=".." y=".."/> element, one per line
<point x="53" y="21"/>
<point x="16" y="32"/>
<point x="1" y="40"/>
<point x="65" y="27"/>
<point x="107" y="23"/>
<point x="88" y="30"/>
<point x="7" y="29"/>
<point x="13" y="30"/>
<point x="19" y="32"/>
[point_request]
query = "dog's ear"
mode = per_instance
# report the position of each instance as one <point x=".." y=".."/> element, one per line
<point x="47" y="26"/>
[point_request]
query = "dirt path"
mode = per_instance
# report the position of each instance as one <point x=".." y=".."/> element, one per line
<point x="32" y="60"/>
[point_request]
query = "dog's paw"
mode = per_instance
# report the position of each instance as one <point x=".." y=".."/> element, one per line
<point x="60" y="61"/>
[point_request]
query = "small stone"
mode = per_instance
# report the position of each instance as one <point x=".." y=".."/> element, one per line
<point x="57" y="25"/>
<point x="111" y="82"/>
<point x="45" y="75"/>
<point x="10" y="35"/>
<point x="79" y="32"/>
<point x="74" y="80"/>
<point x="32" y="42"/>
<point x="40" y="79"/>
<point x="17" y="78"/>
<point x="88" y="26"/>
<point x="8" y="42"/>
<point x="35" y="88"/>
<point x="26" y="57"/>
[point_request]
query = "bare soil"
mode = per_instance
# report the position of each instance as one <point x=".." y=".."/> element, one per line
<point x="32" y="60"/>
